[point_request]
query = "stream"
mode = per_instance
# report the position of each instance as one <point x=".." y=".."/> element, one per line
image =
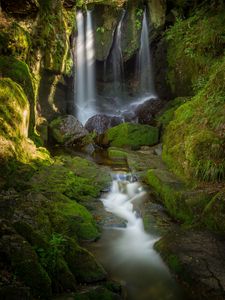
<point x="126" y="250"/>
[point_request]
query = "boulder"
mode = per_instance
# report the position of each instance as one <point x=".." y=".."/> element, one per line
<point x="67" y="130"/>
<point x="145" y="112"/>
<point x="131" y="135"/>
<point x="20" y="7"/>
<point x="100" y="123"/>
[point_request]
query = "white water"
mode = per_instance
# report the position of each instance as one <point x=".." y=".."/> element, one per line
<point x="144" y="63"/>
<point x="117" y="60"/>
<point x="85" y="83"/>
<point x="122" y="199"/>
<point x="127" y="252"/>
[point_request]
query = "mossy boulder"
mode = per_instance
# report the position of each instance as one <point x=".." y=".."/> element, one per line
<point x="19" y="72"/>
<point x="14" y="116"/>
<point x="183" y="202"/>
<point x="157" y="9"/>
<point x="84" y="265"/>
<point x="72" y="219"/>
<point x="131" y="135"/>
<point x="24" y="262"/>
<point x="67" y="129"/>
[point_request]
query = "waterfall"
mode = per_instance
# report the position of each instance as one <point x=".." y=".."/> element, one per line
<point x="85" y="96"/>
<point x="117" y="60"/>
<point x="144" y="66"/>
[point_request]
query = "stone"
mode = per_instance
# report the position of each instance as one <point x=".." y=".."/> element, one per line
<point x="196" y="258"/>
<point x="69" y="3"/>
<point x="20" y="7"/>
<point x="100" y="123"/>
<point x="146" y="111"/>
<point x="67" y="130"/>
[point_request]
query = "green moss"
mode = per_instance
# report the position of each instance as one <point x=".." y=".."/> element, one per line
<point x="168" y="114"/>
<point x="19" y="72"/>
<point x="25" y="263"/>
<point x="115" y="153"/>
<point x="14" y="116"/>
<point x="184" y="203"/>
<point x="71" y="218"/>
<point x="214" y="213"/>
<point x="84" y="265"/>
<point x="194" y="141"/>
<point x="132" y="135"/>
<point x="14" y="41"/>
<point x="195" y="44"/>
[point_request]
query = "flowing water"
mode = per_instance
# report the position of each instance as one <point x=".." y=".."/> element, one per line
<point x="126" y="250"/>
<point x="117" y="61"/>
<point x="85" y="85"/>
<point x="144" y="64"/>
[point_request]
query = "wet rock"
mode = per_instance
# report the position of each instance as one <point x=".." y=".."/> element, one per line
<point x="69" y="3"/>
<point x="67" y="130"/>
<point x="83" y="264"/>
<point x="100" y="123"/>
<point x="197" y="258"/>
<point x="145" y="112"/>
<point x="20" y="7"/>
<point x="98" y="293"/>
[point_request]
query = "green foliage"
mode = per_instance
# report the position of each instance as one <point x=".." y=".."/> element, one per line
<point x="194" y="45"/>
<point x="49" y="258"/>
<point x="138" y="21"/>
<point x="100" y="29"/>
<point x="194" y="141"/>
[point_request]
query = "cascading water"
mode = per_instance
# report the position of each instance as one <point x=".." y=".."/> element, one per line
<point x="127" y="251"/>
<point x="144" y="64"/>
<point x="85" y="96"/>
<point x="117" y="60"/>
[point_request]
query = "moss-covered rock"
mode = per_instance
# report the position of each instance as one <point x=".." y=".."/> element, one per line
<point x="184" y="203"/>
<point x="24" y="262"/>
<point x="213" y="214"/>
<point x="67" y="129"/>
<point x="83" y="264"/>
<point x="194" y="45"/>
<point x="14" y="40"/>
<point x="106" y="22"/>
<point x="194" y="141"/>
<point x="131" y="135"/>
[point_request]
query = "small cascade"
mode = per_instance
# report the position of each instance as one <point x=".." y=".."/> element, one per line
<point x="85" y="96"/>
<point x="144" y="64"/>
<point x="117" y="60"/>
<point x="127" y="250"/>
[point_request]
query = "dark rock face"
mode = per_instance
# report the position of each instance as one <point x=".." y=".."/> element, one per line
<point x="160" y="66"/>
<point x="146" y="111"/>
<point x="100" y="123"/>
<point x="20" y="7"/>
<point x="67" y="129"/>
<point x="69" y="3"/>
<point x="197" y="258"/>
